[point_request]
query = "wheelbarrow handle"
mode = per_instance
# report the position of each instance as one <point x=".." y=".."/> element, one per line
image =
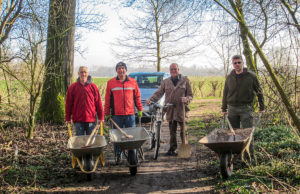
<point x="258" y="119"/>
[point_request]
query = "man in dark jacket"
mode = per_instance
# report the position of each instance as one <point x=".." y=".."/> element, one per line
<point x="240" y="88"/>
<point x="82" y="103"/>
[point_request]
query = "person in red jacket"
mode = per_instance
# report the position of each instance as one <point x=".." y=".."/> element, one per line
<point x="121" y="97"/>
<point x="82" y="103"/>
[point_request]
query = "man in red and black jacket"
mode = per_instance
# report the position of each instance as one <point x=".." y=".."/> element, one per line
<point x="82" y="103"/>
<point x="121" y="97"/>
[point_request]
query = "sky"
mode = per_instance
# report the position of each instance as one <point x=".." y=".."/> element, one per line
<point x="97" y="44"/>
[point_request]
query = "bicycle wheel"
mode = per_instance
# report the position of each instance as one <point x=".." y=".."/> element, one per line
<point x="152" y="135"/>
<point x="157" y="140"/>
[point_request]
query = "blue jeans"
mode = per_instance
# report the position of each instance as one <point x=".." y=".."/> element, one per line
<point x="126" y="121"/>
<point x="82" y="127"/>
<point x="122" y="121"/>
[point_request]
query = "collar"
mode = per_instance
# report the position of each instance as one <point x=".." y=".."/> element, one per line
<point x="89" y="80"/>
<point x="126" y="78"/>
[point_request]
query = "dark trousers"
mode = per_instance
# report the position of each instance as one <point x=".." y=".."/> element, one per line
<point x="173" y="130"/>
<point x="238" y="115"/>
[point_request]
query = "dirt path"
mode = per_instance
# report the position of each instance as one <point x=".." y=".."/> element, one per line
<point x="167" y="174"/>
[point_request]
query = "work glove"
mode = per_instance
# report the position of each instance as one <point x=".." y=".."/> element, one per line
<point x="140" y="113"/>
<point x="107" y="117"/>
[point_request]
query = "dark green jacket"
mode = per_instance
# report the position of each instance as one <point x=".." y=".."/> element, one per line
<point x="241" y="91"/>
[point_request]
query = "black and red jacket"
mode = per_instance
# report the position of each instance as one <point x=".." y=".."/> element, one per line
<point x="122" y="96"/>
<point x="82" y="103"/>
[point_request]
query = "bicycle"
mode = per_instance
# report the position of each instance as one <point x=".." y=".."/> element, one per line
<point x="157" y="113"/>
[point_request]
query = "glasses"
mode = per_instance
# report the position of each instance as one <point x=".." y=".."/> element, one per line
<point x="237" y="63"/>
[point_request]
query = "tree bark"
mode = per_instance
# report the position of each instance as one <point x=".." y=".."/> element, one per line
<point x="59" y="60"/>
<point x="247" y="50"/>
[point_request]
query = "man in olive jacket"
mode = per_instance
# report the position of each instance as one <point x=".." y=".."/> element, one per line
<point x="178" y="90"/>
<point x="240" y="88"/>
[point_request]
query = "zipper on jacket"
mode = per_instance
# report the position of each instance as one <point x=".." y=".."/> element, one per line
<point x="124" y="98"/>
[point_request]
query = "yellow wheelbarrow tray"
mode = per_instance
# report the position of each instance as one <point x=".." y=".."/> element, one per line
<point x="76" y="145"/>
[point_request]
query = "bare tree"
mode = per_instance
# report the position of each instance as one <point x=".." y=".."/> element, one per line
<point x="236" y="14"/>
<point x="161" y="30"/>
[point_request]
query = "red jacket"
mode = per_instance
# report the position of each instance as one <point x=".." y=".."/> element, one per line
<point x="82" y="103"/>
<point x="122" y="97"/>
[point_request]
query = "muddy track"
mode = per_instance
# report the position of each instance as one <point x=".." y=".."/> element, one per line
<point x="167" y="174"/>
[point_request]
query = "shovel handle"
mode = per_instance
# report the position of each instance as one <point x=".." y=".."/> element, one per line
<point x="121" y="131"/>
<point x="230" y="127"/>
<point x="184" y="129"/>
<point x="91" y="135"/>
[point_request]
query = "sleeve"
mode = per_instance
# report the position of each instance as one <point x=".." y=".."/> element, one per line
<point x="189" y="93"/>
<point x="224" y="99"/>
<point x="138" y="102"/>
<point x="98" y="104"/>
<point x="107" y="99"/>
<point x="69" y="104"/>
<point x="259" y="94"/>
<point x="159" y="93"/>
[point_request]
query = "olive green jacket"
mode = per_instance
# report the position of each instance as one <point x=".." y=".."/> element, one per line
<point x="173" y="96"/>
<point x="241" y="91"/>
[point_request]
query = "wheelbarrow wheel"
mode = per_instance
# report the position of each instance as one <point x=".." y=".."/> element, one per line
<point x="226" y="165"/>
<point x="88" y="167"/>
<point x="132" y="160"/>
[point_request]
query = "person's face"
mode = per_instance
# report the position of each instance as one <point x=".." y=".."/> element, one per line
<point x="121" y="71"/>
<point x="237" y="65"/>
<point x="174" y="70"/>
<point x="83" y="74"/>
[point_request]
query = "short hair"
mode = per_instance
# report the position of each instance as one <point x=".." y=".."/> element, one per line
<point x="81" y="67"/>
<point x="237" y="57"/>
<point x="175" y="64"/>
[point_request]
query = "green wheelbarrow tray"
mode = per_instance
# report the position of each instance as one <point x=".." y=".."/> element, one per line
<point x="221" y="140"/>
<point x="76" y="143"/>
<point x="140" y="135"/>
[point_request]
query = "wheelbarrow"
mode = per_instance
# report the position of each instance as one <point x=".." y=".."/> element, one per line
<point x="131" y="148"/>
<point x="80" y="152"/>
<point x="229" y="146"/>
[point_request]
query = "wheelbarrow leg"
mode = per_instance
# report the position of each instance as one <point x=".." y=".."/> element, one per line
<point x="226" y="165"/>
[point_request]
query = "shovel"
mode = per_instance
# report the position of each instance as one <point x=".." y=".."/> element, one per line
<point x="184" y="150"/>
<point x="92" y="135"/>
<point x="121" y="131"/>
<point x="230" y="127"/>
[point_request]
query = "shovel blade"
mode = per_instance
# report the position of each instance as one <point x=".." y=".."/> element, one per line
<point x="184" y="151"/>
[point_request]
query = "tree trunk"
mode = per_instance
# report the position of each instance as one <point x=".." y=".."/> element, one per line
<point x="157" y="37"/>
<point x="247" y="52"/>
<point x="59" y="60"/>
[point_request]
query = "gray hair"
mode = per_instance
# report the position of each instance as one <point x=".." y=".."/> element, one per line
<point x="81" y="67"/>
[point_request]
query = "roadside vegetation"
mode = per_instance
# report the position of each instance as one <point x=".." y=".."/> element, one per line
<point x="274" y="169"/>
